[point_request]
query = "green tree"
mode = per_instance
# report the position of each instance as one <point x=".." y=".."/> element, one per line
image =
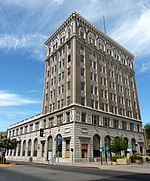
<point x="118" y="144"/>
<point x="147" y="130"/>
<point x="8" y="143"/>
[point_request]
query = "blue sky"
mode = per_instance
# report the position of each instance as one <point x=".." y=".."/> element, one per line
<point x="24" y="27"/>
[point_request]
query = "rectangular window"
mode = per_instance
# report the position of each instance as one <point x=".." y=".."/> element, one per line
<point x="69" y="58"/>
<point x="82" y="71"/>
<point x="124" y="125"/>
<point x="21" y="130"/>
<point x="82" y="58"/>
<point x="68" y="117"/>
<point x="60" y="119"/>
<point x="96" y="104"/>
<point x="95" y="120"/>
<point x="26" y="129"/>
<point x="115" y="123"/>
<point x="91" y="89"/>
<point x="68" y="100"/>
<point x="131" y="126"/>
<point x="68" y="71"/>
<point x="106" y="122"/>
<point x="36" y="126"/>
<point x="62" y="103"/>
<point x="82" y="47"/>
<point x="82" y="101"/>
<point x="68" y="85"/>
<point x="92" y="103"/>
<point x="58" y="104"/>
<point x="83" y="117"/>
<point x="82" y="86"/>
<point x="44" y="123"/>
<point x="51" y="120"/>
<point x="31" y="127"/>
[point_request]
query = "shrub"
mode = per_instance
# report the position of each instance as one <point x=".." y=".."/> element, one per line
<point x="115" y="157"/>
<point x="136" y="156"/>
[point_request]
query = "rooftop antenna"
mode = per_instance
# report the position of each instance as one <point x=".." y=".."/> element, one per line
<point x="104" y="24"/>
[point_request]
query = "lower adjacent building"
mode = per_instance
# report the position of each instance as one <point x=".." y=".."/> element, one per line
<point x="89" y="97"/>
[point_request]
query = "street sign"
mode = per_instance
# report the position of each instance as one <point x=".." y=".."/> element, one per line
<point x="129" y="149"/>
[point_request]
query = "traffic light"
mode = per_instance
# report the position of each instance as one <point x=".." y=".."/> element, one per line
<point x="41" y="132"/>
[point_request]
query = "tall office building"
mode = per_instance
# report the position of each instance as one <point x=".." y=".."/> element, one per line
<point x="90" y="95"/>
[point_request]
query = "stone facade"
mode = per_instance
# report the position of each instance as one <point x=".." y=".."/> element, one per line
<point x="89" y="96"/>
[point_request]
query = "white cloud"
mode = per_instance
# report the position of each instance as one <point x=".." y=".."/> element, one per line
<point x="12" y="99"/>
<point x="145" y="67"/>
<point x="59" y="2"/>
<point x="135" y="34"/>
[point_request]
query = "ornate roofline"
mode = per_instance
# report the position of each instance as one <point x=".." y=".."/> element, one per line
<point x="76" y="16"/>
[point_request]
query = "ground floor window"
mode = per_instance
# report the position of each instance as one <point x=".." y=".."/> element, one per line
<point x="67" y="148"/>
<point x="84" y="150"/>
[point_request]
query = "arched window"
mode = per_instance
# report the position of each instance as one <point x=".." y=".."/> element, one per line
<point x="133" y="144"/>
<point x="96" y="146"/>
<point x="122" y="59"/>
<point x="49" y="147"/>
<point x="35" y="147"/>
<point x="82" y="33"/>
<point x="59" y="145"/>
<point x="91" y="38"/>
<point x="19" y="148"/>
<point x="116" y="54"/>
<point x="29" y="147"/>
<point x="101" y="45"/>
<point x="62" y="38"/>
<point x="24" y="148"/>
<point x="109" y="50"/>
<point x="50" y="143"/>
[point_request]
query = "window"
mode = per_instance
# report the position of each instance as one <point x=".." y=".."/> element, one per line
<point x="68" y="71"/>
<point x="95" y="120"/>
<point x="62" y="89"/>
<point x="106" y="122"/>
<point x="68" y="117"/>
<point x="31" y="128"/>
<point x="69" y="58"/>
<point x="83" y="117"/>
<point x="51" y="120"/>
<point x="62" y="103"/>
<point x="21" y="130"/>
<point x="68" y="85"/>
<point x="25" y="129"/>
<point x="82" y="71"/>
<point x="92" y="103"/>
<point x="82" y="33"/>
<point x="44" y="123"/>
<point x="36" y="126"/>
<point x="115" y="123"/>
<point x="58" y="104"/>
<point x="124" y="125"/>
<point x="96" y="104"/>
<point x="59" y="119"/>
<point x="131" y="126"/>
<point x="94" y="77"/>
<point x="92" y="89"/>
<point x="82" y="58"/>
<point x="68" y="100"/>
<point x="82" y="86"/>
<point x="82" y="47"/>
<point x="82" y="101"/>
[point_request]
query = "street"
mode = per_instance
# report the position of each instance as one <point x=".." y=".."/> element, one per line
<point x="40" y="172"/>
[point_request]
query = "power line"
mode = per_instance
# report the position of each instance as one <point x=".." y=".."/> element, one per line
<point x="9" y="20"/>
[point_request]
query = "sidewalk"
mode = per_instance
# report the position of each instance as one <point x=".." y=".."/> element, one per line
<point x="145" y="168"/>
